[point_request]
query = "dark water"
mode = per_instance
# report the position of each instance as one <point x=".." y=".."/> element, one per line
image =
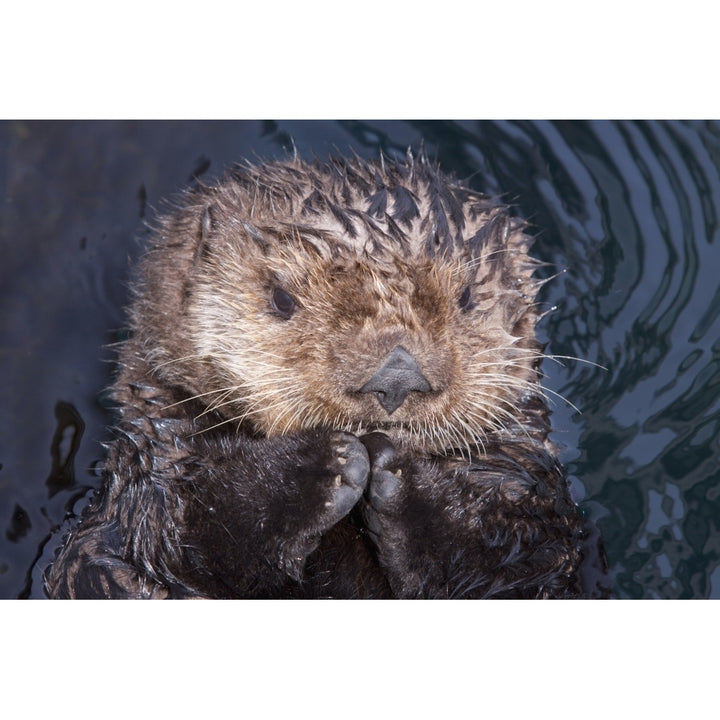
<point x="629" y="212"/>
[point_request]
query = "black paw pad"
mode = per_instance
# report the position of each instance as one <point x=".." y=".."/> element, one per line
<point x="381" y="501"/>
<point x="384" y="488"/>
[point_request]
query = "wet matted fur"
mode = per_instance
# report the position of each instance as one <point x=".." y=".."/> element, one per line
<point x="331" y="389"/>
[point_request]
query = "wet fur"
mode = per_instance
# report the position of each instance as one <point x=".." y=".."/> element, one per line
<point x="247" y="463"/>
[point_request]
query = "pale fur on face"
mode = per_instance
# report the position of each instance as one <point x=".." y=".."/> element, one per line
<point x="429" y="266"/>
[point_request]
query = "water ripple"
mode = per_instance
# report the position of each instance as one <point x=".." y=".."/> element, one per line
<point x="642" y="298"/>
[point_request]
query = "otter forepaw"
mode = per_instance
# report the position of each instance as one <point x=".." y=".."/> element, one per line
<point x="384" y="485"/>
<point x="338" y="482"/>
<point x="380" y="449"/>
<point x="349" y="467"/>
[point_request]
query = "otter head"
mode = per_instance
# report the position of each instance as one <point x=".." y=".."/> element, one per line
<point x="359" y="297"/>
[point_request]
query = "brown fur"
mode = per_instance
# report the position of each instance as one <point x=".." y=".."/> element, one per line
<point x="212" y="330"/>
<point x="266" y="303"/>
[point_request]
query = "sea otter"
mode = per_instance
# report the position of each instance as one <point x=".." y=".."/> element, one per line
<point x="331" y="389"/>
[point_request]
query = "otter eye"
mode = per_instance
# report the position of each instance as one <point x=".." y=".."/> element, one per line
<point x="283" y="303"/>
<point x="465" y="300"/>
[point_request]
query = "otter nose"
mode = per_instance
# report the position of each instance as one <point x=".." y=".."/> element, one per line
<point x="398" y="376"/>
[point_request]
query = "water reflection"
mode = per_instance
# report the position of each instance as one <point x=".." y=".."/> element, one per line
<point x="644" y="309"/>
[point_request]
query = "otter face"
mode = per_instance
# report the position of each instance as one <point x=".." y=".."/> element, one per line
<point x="412" y="348"/>
<point x="306" y="319"/>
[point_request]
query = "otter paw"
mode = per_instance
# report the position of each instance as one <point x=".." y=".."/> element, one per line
<point x="380" y="449"/>
<point x="384" y="486"/>
<point x="337" y="483"/>
<point x="349" y="467"/>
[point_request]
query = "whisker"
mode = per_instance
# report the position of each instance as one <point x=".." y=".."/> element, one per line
<point x="199" y="395"/>
<point x="179" y="359"/>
